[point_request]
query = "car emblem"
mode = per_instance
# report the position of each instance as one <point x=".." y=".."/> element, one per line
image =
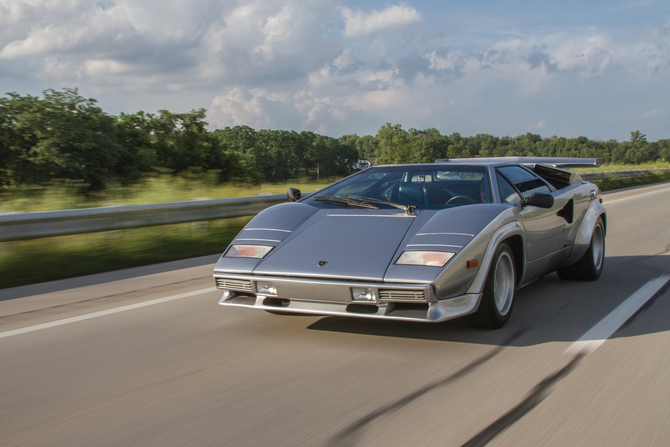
<point x="322" y="263"/>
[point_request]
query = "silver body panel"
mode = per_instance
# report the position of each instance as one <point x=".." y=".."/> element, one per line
<point x="319" y="255"/>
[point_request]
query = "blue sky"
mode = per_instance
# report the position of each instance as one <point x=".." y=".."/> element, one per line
<point x="598" y="69"/>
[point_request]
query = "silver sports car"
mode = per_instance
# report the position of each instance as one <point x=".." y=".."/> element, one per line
<point x="422" y="242"/>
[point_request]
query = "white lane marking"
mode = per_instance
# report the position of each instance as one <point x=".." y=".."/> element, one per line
<point x="607" y="202"/>
<point x="597" y="335"/>
<point x="102" y="313"/>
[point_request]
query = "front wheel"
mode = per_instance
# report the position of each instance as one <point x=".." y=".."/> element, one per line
<point x="495" y="307"/>
<point x="590" y="266"/>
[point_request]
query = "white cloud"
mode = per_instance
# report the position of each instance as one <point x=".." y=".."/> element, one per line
<point x="358" y="23"/>
<point x="317" y="64"/>
<point x="658" y="112"/>
<point x="538" y="126"/>
<point x="598" y="60"/>
<point x="235" y="108"/>
<point x="501" y="86"/>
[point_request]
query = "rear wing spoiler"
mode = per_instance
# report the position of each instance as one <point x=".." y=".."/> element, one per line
<point x="558" y="162"/>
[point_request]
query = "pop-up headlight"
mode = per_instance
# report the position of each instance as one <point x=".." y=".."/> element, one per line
<point x="428" y="258"/>
<point x="248" y="251"/>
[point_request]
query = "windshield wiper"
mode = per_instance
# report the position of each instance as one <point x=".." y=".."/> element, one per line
<point x="352" y="200"/>
<point x="409" y="209"/>
<point x="346" y="201"/>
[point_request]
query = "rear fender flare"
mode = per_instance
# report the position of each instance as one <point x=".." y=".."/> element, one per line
<point x="585" y="232"/>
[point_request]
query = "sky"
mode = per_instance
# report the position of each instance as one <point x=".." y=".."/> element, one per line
<point x="599" y="69"/>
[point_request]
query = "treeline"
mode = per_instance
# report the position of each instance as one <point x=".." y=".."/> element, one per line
<point x="397" y="145"/>
<point x="65" y="136"/>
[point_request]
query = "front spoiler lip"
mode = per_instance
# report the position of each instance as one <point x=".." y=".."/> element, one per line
<point x="437" y="311"/>
<point x="332" y="297"/>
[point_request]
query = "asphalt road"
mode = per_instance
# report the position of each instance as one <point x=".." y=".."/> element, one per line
<point x="147" y="357"/>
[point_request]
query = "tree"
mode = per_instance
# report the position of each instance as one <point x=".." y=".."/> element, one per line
<point x="427" y="150"/>
<point x="61" y="136"/>
<point x="181" y="141"/>
<point x="393" y="145"/>
<point x="238" y="139"/>
<point x="134" y="133"/>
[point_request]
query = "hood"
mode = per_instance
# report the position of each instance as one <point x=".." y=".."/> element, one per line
<point x="451" y="230"/>
<point x="352" y="244"/>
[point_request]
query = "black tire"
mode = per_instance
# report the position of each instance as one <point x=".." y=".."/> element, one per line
<point x="497" y="301"/>
<point x="590" y="266"/>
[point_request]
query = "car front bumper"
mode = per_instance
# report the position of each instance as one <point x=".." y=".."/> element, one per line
<point x="391" y="301"/>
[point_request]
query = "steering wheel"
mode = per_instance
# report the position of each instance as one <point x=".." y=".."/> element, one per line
<point x="469" y="199"/>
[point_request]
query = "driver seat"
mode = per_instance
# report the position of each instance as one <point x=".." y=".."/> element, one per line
<point x="412" y="193"/>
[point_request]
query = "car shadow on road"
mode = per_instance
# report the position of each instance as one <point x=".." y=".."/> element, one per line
<point x="548" y="310"/>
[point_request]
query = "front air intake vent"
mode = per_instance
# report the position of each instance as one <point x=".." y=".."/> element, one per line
<point x="402" y="295"/>
<point x="234" y="284"/>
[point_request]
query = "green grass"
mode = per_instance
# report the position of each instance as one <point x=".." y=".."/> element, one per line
<point x="64" y="195"/>
<point x="622" y="167"/>
<point x="39" y="260"/>
<point x="613" y="183"/>
<point x="28" y="262"/>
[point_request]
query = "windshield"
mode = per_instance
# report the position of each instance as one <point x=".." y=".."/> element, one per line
<point x="420" y="186"/>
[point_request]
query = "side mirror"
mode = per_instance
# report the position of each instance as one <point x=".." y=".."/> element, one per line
<point x="293" y="194"/>
<point x="539" y="200"/>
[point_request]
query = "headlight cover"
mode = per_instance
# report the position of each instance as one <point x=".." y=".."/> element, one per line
<point x="248" y="251"/>
<point x="427" y="258"/>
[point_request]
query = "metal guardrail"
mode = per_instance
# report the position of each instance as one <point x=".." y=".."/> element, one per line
<point x="22" y="226"/>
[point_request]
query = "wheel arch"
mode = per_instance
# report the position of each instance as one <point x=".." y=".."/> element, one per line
<point x="513" y="234"/>
<point x="515" y="242"/>
<point x="595" y="212"/>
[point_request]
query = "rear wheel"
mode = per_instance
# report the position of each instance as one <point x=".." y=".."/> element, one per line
<point x="497" y="300"/>
<point x="590" y="266"/>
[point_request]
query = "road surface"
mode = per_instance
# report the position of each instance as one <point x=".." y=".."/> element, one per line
<point x="146" y="357"/>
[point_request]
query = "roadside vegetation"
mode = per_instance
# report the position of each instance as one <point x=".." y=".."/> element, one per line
<point x="613" y="183"/>
<point x="65" y="136"/>
<point x="65" y="194"/>
<point x="62" y="151"/>
<point x="40" y="260"/>
<point x="659" y="164"/>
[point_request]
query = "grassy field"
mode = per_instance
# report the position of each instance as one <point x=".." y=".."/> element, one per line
<point x="40" y="260"/>
<point x="29" y="262"/>
<point x="65" y="195"/>
<point x="619" y="167"/>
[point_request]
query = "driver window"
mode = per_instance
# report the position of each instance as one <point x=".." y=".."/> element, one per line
<point x="526" y="182"/>
<point x="507" y="192"/>
<point x="531" y="187"/>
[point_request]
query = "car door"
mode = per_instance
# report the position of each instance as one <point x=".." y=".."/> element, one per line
<point x="543" y="226"/>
